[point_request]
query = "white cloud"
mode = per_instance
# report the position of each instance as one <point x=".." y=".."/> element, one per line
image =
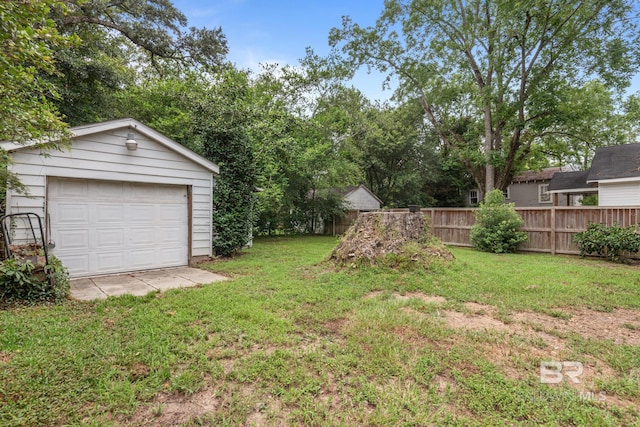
<point x="253" y="58"/>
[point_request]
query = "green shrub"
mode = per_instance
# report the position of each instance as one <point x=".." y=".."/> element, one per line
<point x="497" y="226"/>
<point x="21" y="280"/>
<point x="611" y="242"/>
<point x="590" y="200"/>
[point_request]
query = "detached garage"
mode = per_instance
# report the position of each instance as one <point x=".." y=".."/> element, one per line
<point x="123" y="198"/>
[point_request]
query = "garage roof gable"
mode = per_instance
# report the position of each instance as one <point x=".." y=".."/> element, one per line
<point x="132" y="124"/>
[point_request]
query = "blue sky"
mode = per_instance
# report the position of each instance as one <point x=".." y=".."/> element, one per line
<point x="278" y="31"/>
<point x="268" y="31"/>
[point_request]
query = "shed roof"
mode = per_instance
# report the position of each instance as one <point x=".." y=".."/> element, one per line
<point x="352" y="188"/>
<point x="615" y="162"/>
<point x="571" y="182"/>
<point x="128" y="123"/>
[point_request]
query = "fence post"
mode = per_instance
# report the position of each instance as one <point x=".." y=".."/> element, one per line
<point x="553" y="230"/>
<point x="433" y="214"/>
<point x="333" y="230"/>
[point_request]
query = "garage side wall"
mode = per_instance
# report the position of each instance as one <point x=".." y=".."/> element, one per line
<point x="104" y="156"/>
<point x="619" y="194"/>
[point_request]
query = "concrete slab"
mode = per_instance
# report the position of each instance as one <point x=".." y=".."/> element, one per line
<point x="140" y="283"/>
<point x="86" y="290"/>
<point x="83" y="284"/>
<point x="198" y="276"/>
<point x="168" y="282"/>
<point x="129" y="285"/>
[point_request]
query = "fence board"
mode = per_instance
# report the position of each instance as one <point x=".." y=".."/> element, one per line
<point x="340" y="225"/>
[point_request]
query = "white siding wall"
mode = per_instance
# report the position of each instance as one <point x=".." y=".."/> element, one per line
<point x="619" y="194"/>
<point x="360" y="199"/>
<point x="103" y="156"/>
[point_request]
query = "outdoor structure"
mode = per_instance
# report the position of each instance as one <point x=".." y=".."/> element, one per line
<point x="360" y="198"/>
<point x="531" y="188"/>
<point x="570" y="187"/>
<point x="616" y="171"/>
<point x="122" y="198"/>
<point x="357" y="199"/>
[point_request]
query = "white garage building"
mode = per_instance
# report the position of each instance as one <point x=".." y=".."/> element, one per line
<point x="123" y="198"/>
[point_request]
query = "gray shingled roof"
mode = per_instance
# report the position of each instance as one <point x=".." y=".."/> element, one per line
<point x="617" y="161"/>
<point x="570" y="181"/>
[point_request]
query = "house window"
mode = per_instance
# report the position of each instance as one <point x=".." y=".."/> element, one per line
<point x="506" y="193"/>
<point x="474" y="198"/>
<point x="543" y="193"/>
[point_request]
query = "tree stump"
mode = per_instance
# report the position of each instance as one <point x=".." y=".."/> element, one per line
<point x="392" y="239"/>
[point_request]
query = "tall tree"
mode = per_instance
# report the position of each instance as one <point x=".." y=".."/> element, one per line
<point x="586" y="118"/>
<point x="493" y="67"/>
<point x="396" y="154"/>
<point x="299" y="149"/>
<point x="124" y="43"/>
<point x="28" y="39"/>
<point x="155" y="26"/>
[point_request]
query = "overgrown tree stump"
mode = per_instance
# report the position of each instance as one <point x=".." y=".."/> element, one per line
<point x="392" y="239"/>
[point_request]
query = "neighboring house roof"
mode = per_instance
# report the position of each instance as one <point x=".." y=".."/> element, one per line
<point x="352" y="188"/>
<point x="128" y="123"/>
<point x="345" y="192"/>
<point x="619" y="162"/>
<point x="533" y="176"/>
<point x="571" y="182"/>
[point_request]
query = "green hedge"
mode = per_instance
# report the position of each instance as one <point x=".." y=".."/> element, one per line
<point x="611" y="242"/>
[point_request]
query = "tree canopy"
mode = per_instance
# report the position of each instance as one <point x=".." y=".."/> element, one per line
<point x="124" y="43"/>
<point x="155" y="26"/>
<point x="29" y="39"/>
<point x="490" y="74"/>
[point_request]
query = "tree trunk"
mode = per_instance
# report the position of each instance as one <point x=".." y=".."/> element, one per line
<point x="490" y="170"/>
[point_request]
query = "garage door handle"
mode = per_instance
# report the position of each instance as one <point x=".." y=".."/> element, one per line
<point x="50" y="243"/>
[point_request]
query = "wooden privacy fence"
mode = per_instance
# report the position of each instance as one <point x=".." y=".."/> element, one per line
<point x="339" y="225"/>
<point x="550" y="229"/>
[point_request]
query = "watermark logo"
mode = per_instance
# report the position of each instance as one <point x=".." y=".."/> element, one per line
<point x="555" y="372"/>
<point x="551" y="395"/>
<point x="552" y="372"/>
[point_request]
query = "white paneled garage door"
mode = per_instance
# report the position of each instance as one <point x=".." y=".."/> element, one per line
<point x="102" y="227"/>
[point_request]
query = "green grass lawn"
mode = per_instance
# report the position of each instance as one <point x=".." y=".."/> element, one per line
<point x="290" y="340"/>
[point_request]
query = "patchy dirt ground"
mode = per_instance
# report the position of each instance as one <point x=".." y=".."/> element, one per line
<point x="537" y="336"/>
<point x="5" y="357"/>
<point x="171" y="409"/>
<point x="621" y="326"/>
<point x="526" y="338"/>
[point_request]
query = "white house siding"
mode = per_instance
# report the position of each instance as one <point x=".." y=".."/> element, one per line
<point x="360" y="199"/>
<point x="104" y="156"/>
<point x="619" y="194"/>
